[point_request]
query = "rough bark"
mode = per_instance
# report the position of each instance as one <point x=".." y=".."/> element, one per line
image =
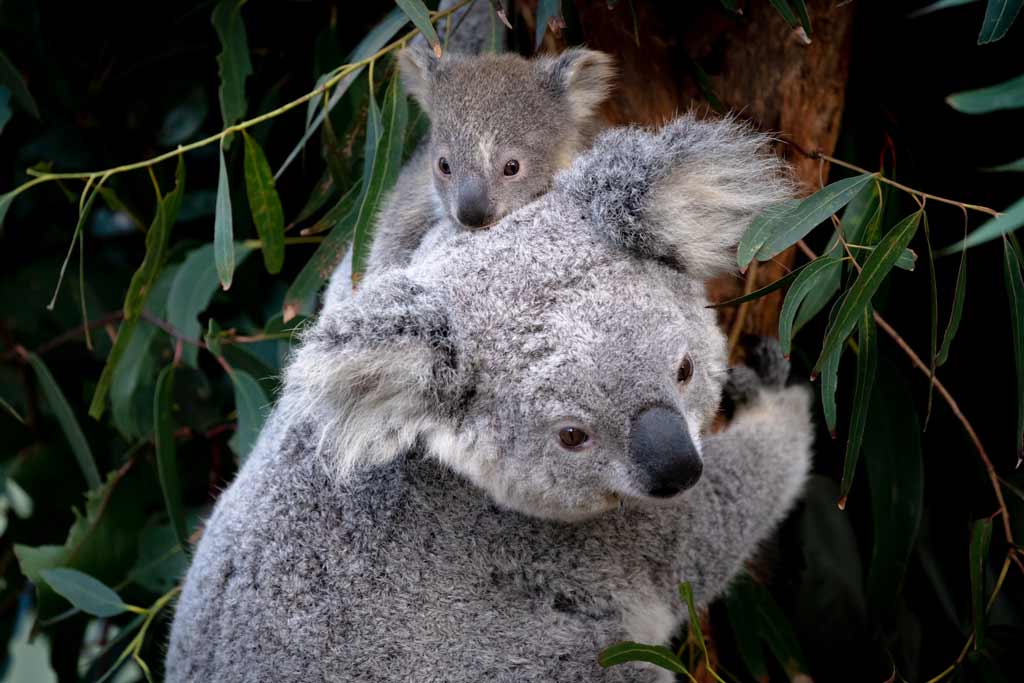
<point x="756" y="65"/>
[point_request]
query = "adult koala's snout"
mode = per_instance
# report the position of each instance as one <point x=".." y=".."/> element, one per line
<point x="661" y="447"/>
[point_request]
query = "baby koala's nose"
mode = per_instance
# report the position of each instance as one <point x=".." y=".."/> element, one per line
<point x="473" y="209"/>
<point x="660" y="444"/>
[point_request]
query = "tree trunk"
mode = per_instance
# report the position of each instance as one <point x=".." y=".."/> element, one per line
<point x="756" y="65"/>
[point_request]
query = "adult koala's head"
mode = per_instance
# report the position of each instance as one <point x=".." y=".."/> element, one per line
<point x="564" y="360"/>
<point x="502" y="125"/>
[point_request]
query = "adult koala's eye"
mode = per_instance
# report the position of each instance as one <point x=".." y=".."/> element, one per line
<point x="685" y="370"/>
<point x="442" y="165"/>
<point x="511" y="167"/>
<point x="573" y="437"/>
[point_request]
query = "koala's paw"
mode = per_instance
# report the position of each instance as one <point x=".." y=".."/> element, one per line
<point x="766" y="368"/>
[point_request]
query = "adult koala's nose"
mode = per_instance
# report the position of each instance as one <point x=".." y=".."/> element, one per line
<point x="660" y="445"/>
<point x="472" y="202"/>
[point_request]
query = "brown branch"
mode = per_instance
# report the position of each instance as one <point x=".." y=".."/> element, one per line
<point x="950" y="401"/>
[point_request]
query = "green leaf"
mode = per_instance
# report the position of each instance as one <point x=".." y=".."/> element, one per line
<point x="830" y="373"/>
<point x="9" y="409"/>
<point x="11" y="78"/>
<point x="417" y="12"/>
<point x="875" y="269"/>
<point x="867" y="360"/>
<point x="999" y="16"/>
<point x="233" y="61"/>
<point x="744" y="621"/>
<point x="265" y="205"/>
<point x="223" y="229"/>
<point x="773" y="627"/>
<point x="191" y="290"/>
<point x="132" y="416"/>
<point x="157" y="238"/>
<point x="785" y="224"/>
<point x="385" y="134"/>
<point x="5" y="204"/>
<point x="161" y="562"/>
<point x="1006" y="95"/>
<point x="958" y="309"/>
<point x="367" y="47"/>
<point x="936" y="6"/>
<point x="84" y="592"/>
<point x="933" y="315"/>
<point x="325" y="259"/>
<point x="764" y="291"/>
<point x="338" y="212"/>
<point x="660" y="656"/>
<point x="892" y="455"/>
<point x="686" y="593"/>
<point x="786" y="12"/>
<point x="1015" y="293"/>
<point x="805" y="20"/>
<point x="85" y="208"/>
<point x="549" y="13"/>
<point x="68" y="422"/>
<point x="251" y="403"/>
<point x="212" y="337"/>
<point x="1012" y="167"/>
<point x="811" y="277"/>
<point x="322" y="191"/>
<point x="981" y="537"/>
<point x="1010" y="220"/>
<point x="166" y="452"/>
<point x="5" y="107"/>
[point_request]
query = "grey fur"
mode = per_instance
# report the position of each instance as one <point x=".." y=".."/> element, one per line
<point x="408" y="512"/>
<point x="484" y="110"/>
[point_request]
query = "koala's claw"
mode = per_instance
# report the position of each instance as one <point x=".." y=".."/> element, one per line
<point x="766" y="368"/>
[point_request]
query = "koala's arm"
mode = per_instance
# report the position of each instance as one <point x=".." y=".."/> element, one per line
<point x="754" y="471"/>
<point x="409" y="210"/>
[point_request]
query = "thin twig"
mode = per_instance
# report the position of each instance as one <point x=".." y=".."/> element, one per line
<point x="948" y="397"/>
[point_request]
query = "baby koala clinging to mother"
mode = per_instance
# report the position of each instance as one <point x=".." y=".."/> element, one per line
<point x="501" y="126"/>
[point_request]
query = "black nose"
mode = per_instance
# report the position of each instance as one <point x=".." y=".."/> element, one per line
<point x="660" y="444"/>
<point x="473" y="204"/>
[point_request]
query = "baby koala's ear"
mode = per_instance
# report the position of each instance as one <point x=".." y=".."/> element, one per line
<point x="583" y="77"/>
<point x="376" y="374"/>
<point x="417" y="64"/>
<point x="683" y="195"/>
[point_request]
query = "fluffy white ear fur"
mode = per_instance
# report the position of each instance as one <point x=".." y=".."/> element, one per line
<point x="683" y="195"/>
<point x="374" y="376"/>
<point x="584" y="78"/>
<point x="417" y="64"/>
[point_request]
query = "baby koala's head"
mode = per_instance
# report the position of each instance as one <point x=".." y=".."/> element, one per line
<point x="503" y="125"/>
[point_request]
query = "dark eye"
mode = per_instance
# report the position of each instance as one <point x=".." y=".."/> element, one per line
<point x="573" y="437"/>
<point x="685" y="371"/>
<point x="511" y="167"/>
<point x="442" y="165"/>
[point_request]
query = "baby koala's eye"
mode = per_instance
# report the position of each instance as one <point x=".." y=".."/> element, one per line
<point x="442" y="165"/>
<point x="573" y="437"/>
<point x="685" y="370"/>
<point x="511" y="167"/>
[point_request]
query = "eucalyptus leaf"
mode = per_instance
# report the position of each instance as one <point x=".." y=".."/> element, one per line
<point x="233" y="61"/>
<point x="1015" y="293"/>
<point x="191" y="290"/>
<point x="417" y="12"/>
<point x="786" y="12"/>
<point x="88" y="594"/>
<point x="264" y="204"/>
<point x="784" y="225"/>
<point x="67" y="420"/>
<point x="783" y="281"/>
<point x="548" y="11"/>
<point x="830" y="373"/>
<point x="251" y="403"/>
<point x="811" y="277"/>
<point x="999" y="16"/>
<point x="1011" y="167"/>
<point x="981" y="538"/>
<point x="322" y="191"/>
<point x="867" y="361"/>
<point x="939" y="5"/>
<point x="745" y="627"/>
<point x="223" y="229"/>
<point x="166" y="452"/>
<point x="1010" y="220"/>
<point x="876" y="268"/>
<point x="11" y="78"/>
<point x="1006" y="95"/>
<point x="659" y="655"/>
<point x="956" y="314"/>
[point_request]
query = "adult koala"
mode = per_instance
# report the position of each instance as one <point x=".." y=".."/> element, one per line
<point x="476" y="470"/>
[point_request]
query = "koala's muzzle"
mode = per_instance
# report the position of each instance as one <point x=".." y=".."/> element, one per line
<point x="660" y="445"/>
<point x="473" y="204"/>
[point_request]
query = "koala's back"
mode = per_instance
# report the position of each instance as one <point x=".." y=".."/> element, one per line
<point x="406" y="572"/>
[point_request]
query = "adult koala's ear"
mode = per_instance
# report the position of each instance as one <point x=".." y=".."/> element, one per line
<point x="417" y="64"/>
<point x="683" y="195"/>
<point x="583" y="77"/>
<point x="376" y="374"/>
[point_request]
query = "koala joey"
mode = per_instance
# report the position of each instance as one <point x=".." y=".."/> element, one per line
<point x="501" y="126"/>
<point x="491" y="479"/>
